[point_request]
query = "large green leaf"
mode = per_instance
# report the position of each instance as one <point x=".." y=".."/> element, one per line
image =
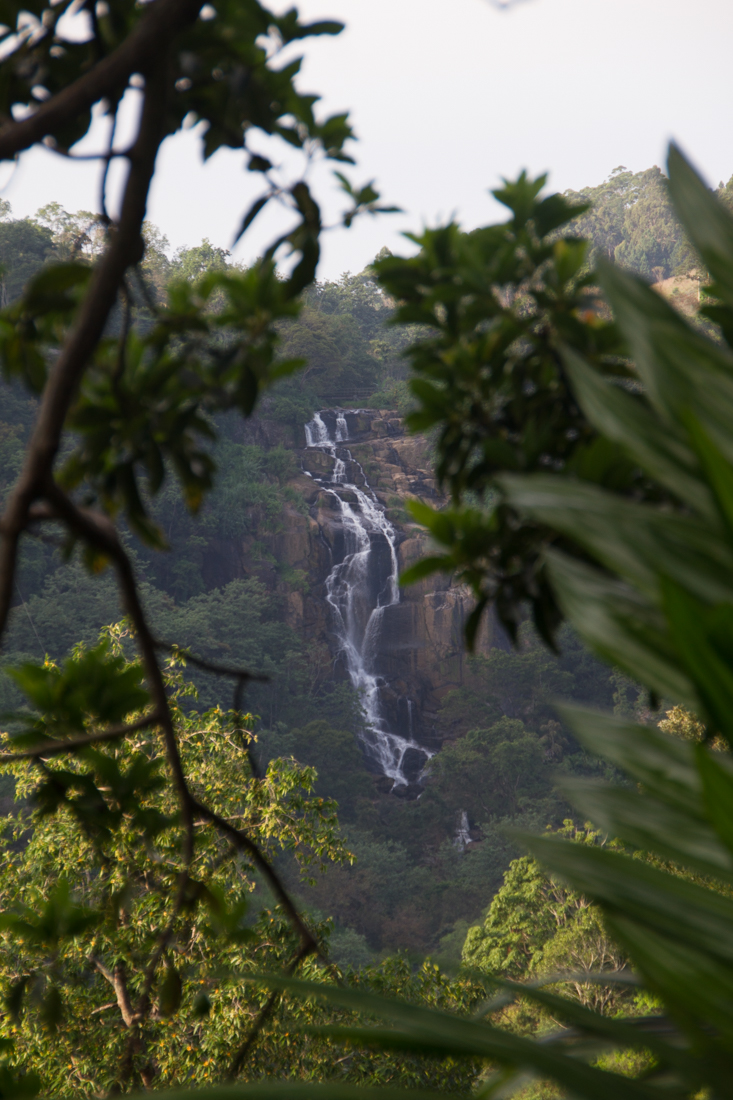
<point x="665" y="765"/>
<point x="717" y="470"/>
<point x="695" y="986"/>
<point x="669" y="816"/>
<point x="683" y="547"/>
<point x="626" y="420"/>
<point x="664" y="903"/>
<point x="696" y="376"/>
<point x="621" y="626"/>
<point x="650" y="825"/>
<point x="706" y="221"/>
<point x="684" y="373"/>
<point x="429" y="1031"/>
<point x="671" y="358"/>
<point x="716" y="773"/>
<point x="703" y="637"/>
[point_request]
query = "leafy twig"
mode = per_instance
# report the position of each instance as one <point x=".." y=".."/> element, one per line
<point x="56" y="748"/>
<point x="245" y="844"/>
<point x="264" y="1015"/>
<point x="230" y="671"/>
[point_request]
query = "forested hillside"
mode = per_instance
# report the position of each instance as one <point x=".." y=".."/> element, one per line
<point x="632" y="222"/>
<point x="429" y="865"/>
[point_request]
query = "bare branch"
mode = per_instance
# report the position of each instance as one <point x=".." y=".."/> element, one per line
<point x="164" y="939"/>
<point x="237" y="708"/>
<point x="37" y="497"/>
<point x="242" y="676"/>
<point x="146" y="291"/>
<point x="105" y="171"/>
<point x="109" y="155"/>
<point x="122" y="340"/>
<point x="100" y="532"/>
<point x="125" y="248"/>
<point x="117" y="978"/>
<point x="56" y="748"/>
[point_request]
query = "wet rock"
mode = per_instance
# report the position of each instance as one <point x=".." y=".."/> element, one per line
<point x="421" y="654"/>
<point x="409" y="792"/>
<point x="383" y="784"/>
<point x="413" y="763"/>
<point x="317" y="463"/>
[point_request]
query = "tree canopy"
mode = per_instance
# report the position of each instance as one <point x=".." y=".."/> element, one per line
<point x="581" y="426"/>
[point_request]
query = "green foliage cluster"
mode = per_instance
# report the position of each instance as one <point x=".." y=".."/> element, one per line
<point x="498" y="765"/>
<point x="495" y="306"/>
<point x="536" y="928"/>
<point x="352" y="357"/>
<point x="240" y="622"/>
<point x="130" y="383"/>
<point x="83" y="900"/>
<point x="424" y="893"/>
<point x="24" y="247"/>
<point x="649" y="588"/>
<point x="118" y="880"/>
<point x="347" y="354"/>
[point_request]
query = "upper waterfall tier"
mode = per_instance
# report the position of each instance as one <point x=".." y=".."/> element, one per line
<point x="361" y="585"/>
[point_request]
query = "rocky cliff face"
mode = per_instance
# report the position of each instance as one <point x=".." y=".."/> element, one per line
<point x="421" y="654"/>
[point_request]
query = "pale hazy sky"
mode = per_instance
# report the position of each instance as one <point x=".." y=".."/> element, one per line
<point x="446" y="97"/>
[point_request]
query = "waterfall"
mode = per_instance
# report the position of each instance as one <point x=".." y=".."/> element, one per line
<point x="316" y="433"/>
<point x="462" y="837"/>
<point x="360" y="586"/>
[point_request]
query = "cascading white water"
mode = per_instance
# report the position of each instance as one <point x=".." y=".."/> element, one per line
<point x="359" y="588"/>
<point x="316" y="432"/>
<point x="342" y="429"/>
<point x="462" y="837"/>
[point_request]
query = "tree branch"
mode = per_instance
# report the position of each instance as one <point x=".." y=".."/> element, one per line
<point x="37" y="496"/>
<point x="99" y="531"/>
<point x="139" y="53"/>
<point x="117" y="978"/>
<point x="263" y="1016"/>
<point x="213" y="666"/>
<point x="56" y="748"/>
<point x="242" y="676"/>
<point x="165" y="937"/>
<point x="125" y="248"/>
<point x="241" y="841"/>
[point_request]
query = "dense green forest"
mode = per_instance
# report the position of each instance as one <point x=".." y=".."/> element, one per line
<point x="503" y="744"/>
<point x="632" y="222"/>
<point x="267" y="820"/>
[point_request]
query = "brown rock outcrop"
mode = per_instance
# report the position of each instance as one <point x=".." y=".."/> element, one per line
<point x="421" y="643"/>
